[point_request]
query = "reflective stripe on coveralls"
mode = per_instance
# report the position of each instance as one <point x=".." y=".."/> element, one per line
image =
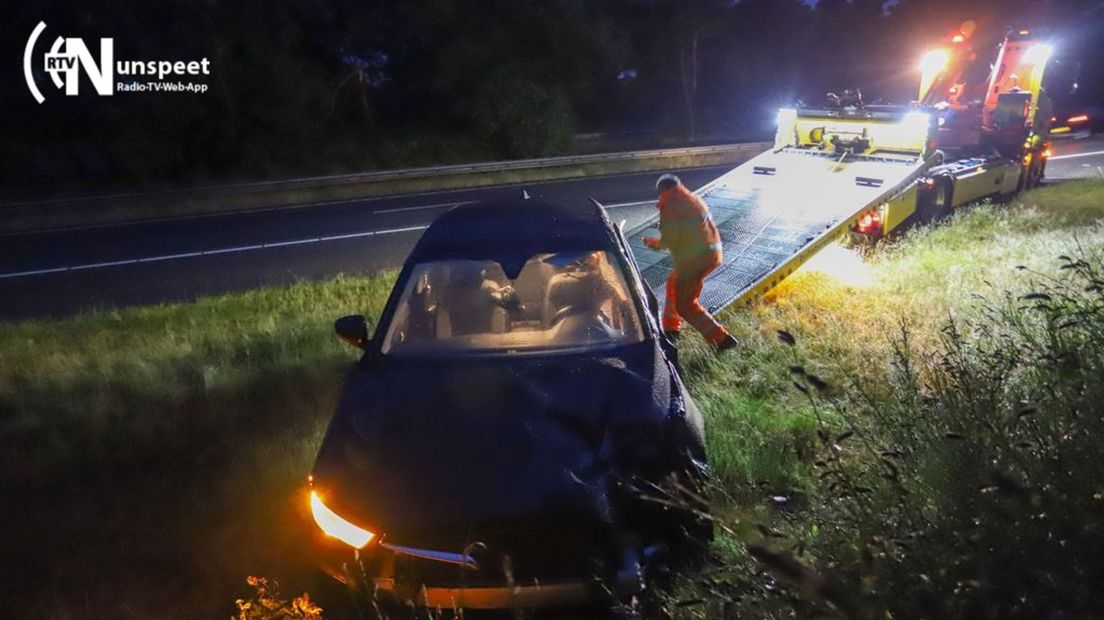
<point x="684" y="286"/>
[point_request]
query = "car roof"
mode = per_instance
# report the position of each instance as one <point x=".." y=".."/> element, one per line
<point x="510" y="232"/>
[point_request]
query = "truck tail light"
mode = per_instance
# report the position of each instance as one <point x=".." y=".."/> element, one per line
<point x="869" y="222"/>
<point x="1080" y="118"/>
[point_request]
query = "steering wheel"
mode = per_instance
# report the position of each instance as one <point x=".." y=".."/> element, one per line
<point x="563" y="313"/>
<point x="605" y="319"/>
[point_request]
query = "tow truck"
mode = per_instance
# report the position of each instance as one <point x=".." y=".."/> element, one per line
<point x="863" y="171"/>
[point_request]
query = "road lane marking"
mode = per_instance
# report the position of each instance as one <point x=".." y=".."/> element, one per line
<point x="233" y="250"/>
<point x="439" y="205"/>
<point x="280" y="244"/>
<point x="1072" y="155"/>
<point x="629" y="204"/>
<point x="366" y="199"/>
<point x="374" y="232"/>
<point x="230" y="250"/>
<point x="442" y="205"/>
<point x="172" y="256"/>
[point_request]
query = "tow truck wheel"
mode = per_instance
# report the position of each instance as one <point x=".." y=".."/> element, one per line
<point x="944" y="193"/>
<point x="1030" y="177"/>
<point x="938" y="204"/>
<point x="1035" y="174"/>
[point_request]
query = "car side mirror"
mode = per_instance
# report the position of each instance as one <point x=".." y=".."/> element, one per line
<point x="353" y="330"/>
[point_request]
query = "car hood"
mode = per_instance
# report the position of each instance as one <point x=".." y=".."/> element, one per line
<point x="451" y="446"/>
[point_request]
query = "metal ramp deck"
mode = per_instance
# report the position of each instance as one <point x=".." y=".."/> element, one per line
<point x="776" y="211"/>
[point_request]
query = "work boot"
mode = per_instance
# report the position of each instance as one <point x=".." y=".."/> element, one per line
<point x="727" y="343"/>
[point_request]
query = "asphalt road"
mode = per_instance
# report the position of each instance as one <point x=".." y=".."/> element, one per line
<point x="1077" y="159"/>
<point x="62" y="272"/>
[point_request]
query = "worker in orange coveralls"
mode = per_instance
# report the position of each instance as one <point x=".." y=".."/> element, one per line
<point x="688" y="232"/>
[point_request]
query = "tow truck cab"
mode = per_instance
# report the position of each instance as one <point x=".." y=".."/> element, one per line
<point x="992" y="127"/>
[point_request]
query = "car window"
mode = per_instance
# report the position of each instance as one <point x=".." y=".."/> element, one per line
<point x="576" y="300"/>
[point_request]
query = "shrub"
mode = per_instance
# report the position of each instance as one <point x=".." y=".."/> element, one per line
<point x="521" y="117"/>
<point x="266" y="604"/>
<point x="967" y="483"/>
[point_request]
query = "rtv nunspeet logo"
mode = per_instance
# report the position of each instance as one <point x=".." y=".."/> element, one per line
<point x="68" y="55"/>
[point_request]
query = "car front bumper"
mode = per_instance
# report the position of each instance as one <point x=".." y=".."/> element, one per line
<point x="561" y="594"/>
<point x="373" y="574"/>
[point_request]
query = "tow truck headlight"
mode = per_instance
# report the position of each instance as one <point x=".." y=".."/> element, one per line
<point x="918" y="119"/>
<point x="1038" y="54"/>
<point x="934" y="61"/>
<point x="333" y="525"/>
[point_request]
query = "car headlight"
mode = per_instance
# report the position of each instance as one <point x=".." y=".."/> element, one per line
<point x="333" y="525"/>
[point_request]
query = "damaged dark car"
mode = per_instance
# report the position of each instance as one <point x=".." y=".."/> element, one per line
<point x="516" y="433"/>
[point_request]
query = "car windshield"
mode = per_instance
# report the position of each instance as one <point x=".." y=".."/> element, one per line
<point x="576" y="300"/>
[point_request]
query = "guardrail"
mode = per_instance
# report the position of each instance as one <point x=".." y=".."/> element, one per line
<point x="304" y="192"/>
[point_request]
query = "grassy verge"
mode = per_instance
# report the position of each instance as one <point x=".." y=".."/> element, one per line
<point x="849" y="323"/>
<point x="919" y="444"/>
<point x="152" y="457"/>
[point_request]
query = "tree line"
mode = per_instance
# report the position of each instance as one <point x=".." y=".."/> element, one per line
<point x="304" y="87"/>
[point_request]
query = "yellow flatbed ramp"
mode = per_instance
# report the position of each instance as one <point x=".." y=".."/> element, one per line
<point x="775" y="212"/>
